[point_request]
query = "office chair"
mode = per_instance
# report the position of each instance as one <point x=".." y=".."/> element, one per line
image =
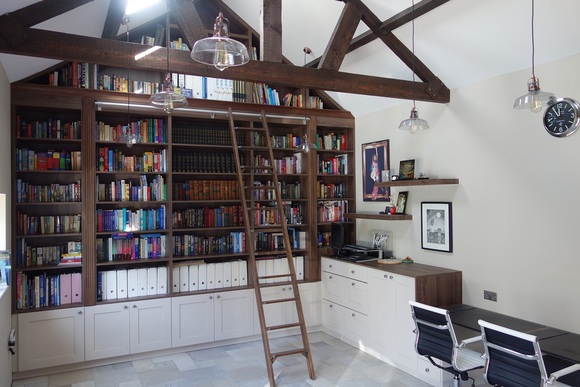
<point x="514" y="359"/>
<point x="436" y="339"/>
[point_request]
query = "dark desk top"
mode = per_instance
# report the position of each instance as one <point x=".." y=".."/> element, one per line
<point x="553" y="341"/>
<point x="468" y="316"/>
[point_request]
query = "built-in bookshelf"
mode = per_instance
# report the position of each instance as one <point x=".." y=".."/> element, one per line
<point x="92" y="208"/>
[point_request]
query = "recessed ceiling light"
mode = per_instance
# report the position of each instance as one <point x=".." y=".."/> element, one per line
<point x="139" y="5"/>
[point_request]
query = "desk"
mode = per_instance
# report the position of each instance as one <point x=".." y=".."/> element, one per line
<point x="561" y="347"/>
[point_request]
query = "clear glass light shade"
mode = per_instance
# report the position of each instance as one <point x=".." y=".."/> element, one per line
<point x="219" y="50"/>
<point x="168" y="99"/>
<point x="306" y="146"/>
<point x="413" y="124"/>
<point x="535" y="99"/>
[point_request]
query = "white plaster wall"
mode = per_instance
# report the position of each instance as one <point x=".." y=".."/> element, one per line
<point x="516" y="210"/>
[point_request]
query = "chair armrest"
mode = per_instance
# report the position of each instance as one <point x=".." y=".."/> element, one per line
<point x="562" y="372"/>
<point x="469" y="341"/>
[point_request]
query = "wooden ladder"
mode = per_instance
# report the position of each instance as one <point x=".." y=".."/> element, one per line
<point x="246" y="175"/>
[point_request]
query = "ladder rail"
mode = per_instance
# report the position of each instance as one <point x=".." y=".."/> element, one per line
<point x="246" y="177"/>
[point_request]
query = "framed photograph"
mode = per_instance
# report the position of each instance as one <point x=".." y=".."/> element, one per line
<point x="436" y="226"/>
<point x="401" y="203"/>
<point x="407" y="170"/>
<point x="375" y="164"/>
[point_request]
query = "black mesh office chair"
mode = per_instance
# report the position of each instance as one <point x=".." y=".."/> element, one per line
<point x="514" y="359"/>
<point x="436" y="339"/>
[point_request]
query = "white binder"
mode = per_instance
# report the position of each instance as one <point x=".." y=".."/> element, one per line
<point x="219" y="275"/>
<point x="142" y="278"/>
<point x="277" y="269"/>
<point x="243" y="272"/>
<point x="122" y="283"/>
<point x="151" y="281"/>
<point x="184" y="278"/>
<point x="202" y="279"/>
<point x="111" y="285"/>
<point x="299" y="266"/>
<point x="227" y="274"/>
<point x="193" y="277"/>
<point x="235" y="269"/>
<point x="176" y="287"/>
<point x="132" y="283"/>
<point x="162" y="280"/>
<point x="210" y="276"/>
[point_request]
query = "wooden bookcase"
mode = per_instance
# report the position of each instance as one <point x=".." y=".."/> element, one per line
<point x="190" y="148"/>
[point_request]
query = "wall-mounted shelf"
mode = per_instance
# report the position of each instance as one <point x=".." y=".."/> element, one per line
<point x="415" y="182"/>
<point x="379" y="216"/>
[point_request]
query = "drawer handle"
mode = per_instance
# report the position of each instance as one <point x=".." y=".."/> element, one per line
<point x="80" y="312"/>
<point x="353" y="315"/>
<point x="329" y="277"/>
<point x="426" y="369"/>
<point x="353" y="284"/>
<point x="352" y="271"/>
<point x="330" y="266"/>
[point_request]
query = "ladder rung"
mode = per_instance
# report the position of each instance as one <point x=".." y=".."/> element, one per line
<point x="257" y="167"/>
<point x="275" y="276"/>
<point x="296" y="351"/>
<point x="268" y="252"/>
<point x="278" y="301"/>
<point x="283" y="326"/>
<point x="260" y="187"/>
<point x="262" y="208"/>
<point x="267" y="227"/>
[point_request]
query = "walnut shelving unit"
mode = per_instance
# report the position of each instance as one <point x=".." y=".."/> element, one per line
<point x="416" y="182"/>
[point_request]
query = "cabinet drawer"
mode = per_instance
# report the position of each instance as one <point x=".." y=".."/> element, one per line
<point x="345" y="269"/>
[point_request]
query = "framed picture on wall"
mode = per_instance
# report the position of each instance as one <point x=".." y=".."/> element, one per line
<point x="401" y="202"/>
<point x="407" y="170"/>
<point x="375" y="161"/>
<point x="436" y="226"/>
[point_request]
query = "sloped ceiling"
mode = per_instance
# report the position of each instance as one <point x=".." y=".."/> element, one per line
<point x="461" y="41"/>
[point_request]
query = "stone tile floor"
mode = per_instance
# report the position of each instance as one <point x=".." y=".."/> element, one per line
<point x="336" y="364"/>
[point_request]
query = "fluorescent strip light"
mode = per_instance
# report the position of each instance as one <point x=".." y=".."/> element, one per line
<point x="134" y="6"/>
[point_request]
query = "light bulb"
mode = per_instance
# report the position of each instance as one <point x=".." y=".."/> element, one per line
<point x="168" y="103"/>
<point x="535" y="103"/>
<point x="413" y="128"/>
<point x="220" y="59"/>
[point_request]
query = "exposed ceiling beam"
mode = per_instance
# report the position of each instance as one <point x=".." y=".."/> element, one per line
<point x="389" y="25"/>
<point x="341" y="36"/>
<point x="114" y="19"/>
<point x="188" y="19"/>
<point x="55" y="45"/>
<point x="271" y="35"/>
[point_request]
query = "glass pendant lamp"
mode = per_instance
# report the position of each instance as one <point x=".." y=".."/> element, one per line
<point x="535" y="99"/>
<point x="167" y="98"/>
<point x="219" y="50"/>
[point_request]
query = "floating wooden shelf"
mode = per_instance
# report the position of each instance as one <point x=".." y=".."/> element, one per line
<point x="415" y="182"/>
<point x="379" y="216"/>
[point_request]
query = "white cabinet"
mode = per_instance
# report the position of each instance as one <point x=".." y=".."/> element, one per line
<point x="391" y="324"/>
<point x="345" y="301"/>
<point x="205" y="318"/>
<point x="126" y="328"/>
<point x="50" y="338"/>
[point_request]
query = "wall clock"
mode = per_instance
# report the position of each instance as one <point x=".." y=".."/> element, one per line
<point x="562" y="117"/>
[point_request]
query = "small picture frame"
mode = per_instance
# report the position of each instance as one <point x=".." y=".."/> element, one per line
<point x="407" y="170"/>
<point x="436" y="226"/>
<point x="401" y="203"/>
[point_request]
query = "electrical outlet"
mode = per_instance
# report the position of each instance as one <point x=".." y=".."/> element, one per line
<point x="489" y="295"/>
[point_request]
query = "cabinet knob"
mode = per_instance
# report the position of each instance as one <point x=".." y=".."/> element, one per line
<point x="426" y="369"/>
<point x="390" y="277"/>
<point x="330" y="305"/>
<point x="353" y="315"/>
<point x="125" y="307"/>
<point x="352" y="272"/>
<point x="353" y="284"/>
<point x="329" y="277"/>
<point x="134" y="306"/>
<point x="80" y="312"/>
<point x="385" y="275"/>
<point x="330" y="266"/>
<point x="218" y="296"/>
<point x="211" y="297"/>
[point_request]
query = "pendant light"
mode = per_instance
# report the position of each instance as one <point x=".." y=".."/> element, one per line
<point x="535" y="98"/>
<point x="413" y="123"/>
<point x="129" y="137"/>
<point x="219" y="50"/>
<point x="306" y="146"/>
<point x="168" y="99"/>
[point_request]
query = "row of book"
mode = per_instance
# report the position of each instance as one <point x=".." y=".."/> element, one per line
<point x="76" y="74"/>
<point x="332" y="211"/>
<point x="149" y="130"/>
<point x="31" y="256"/>
<point x="51" y="160"/>
<point x="337" y="165"/>
<point x="50" y="128"/>
<point x="127" y="246"/>
<point x="44" y="290"/>
<point x="278" y="266"/>
<point x="287" y="190"/>
<point x="130" y="283"/>
<point x="47" y="224"/>
<point x="126" y="220"/>
<point x="204" y="162"/>
<point x="291" y="212"/>
<point x="330" y="190"/>
<point x="283" y="166"/>
<point x="192" y="245"/>
<point x="265" y="95"/>
<point x="331" y="141"/>
<point x="205" y="190"/>
<point x="47" y="193"/>
<point x="206" y="217"/>
<point x="324" y="238"/>
<point x="125" y="190"/>
<point x="188" y="132"/>
<point x="192" y="276"/>
<point x="114" y="160"/>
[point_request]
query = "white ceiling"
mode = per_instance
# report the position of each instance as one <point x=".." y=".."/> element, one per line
<point x="462" y="41"/>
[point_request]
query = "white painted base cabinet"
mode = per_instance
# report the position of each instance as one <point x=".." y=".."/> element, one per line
<point x="50" y="338"/>
<point x="211" y="317"/>
<point x="127" y="328"/>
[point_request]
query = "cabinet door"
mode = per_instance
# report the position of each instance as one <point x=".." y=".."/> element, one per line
<point x="332" y="318"/>
<point x="277" y="313"/>
<point x="355" y="330"/>
<point x="150" y="325"/>
<point x="382" y="313"/>
<point x="192" y="320"/>
<point x="50" y="338"/>
<point x="106" y="328"/>
<point x="310" y="297"/>
<point x="234" y="314"/>
<point x="355" y="295"/>
<point x="405" y="337"/>
<point x="332" y="287"/>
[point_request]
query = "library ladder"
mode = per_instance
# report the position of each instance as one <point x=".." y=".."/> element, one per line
<point x="250" y="192"/>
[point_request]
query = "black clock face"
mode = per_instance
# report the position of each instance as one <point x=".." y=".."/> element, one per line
<point x="561" y="118"/>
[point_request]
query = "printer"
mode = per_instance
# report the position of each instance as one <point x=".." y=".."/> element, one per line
<point x="358" y="253"/>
